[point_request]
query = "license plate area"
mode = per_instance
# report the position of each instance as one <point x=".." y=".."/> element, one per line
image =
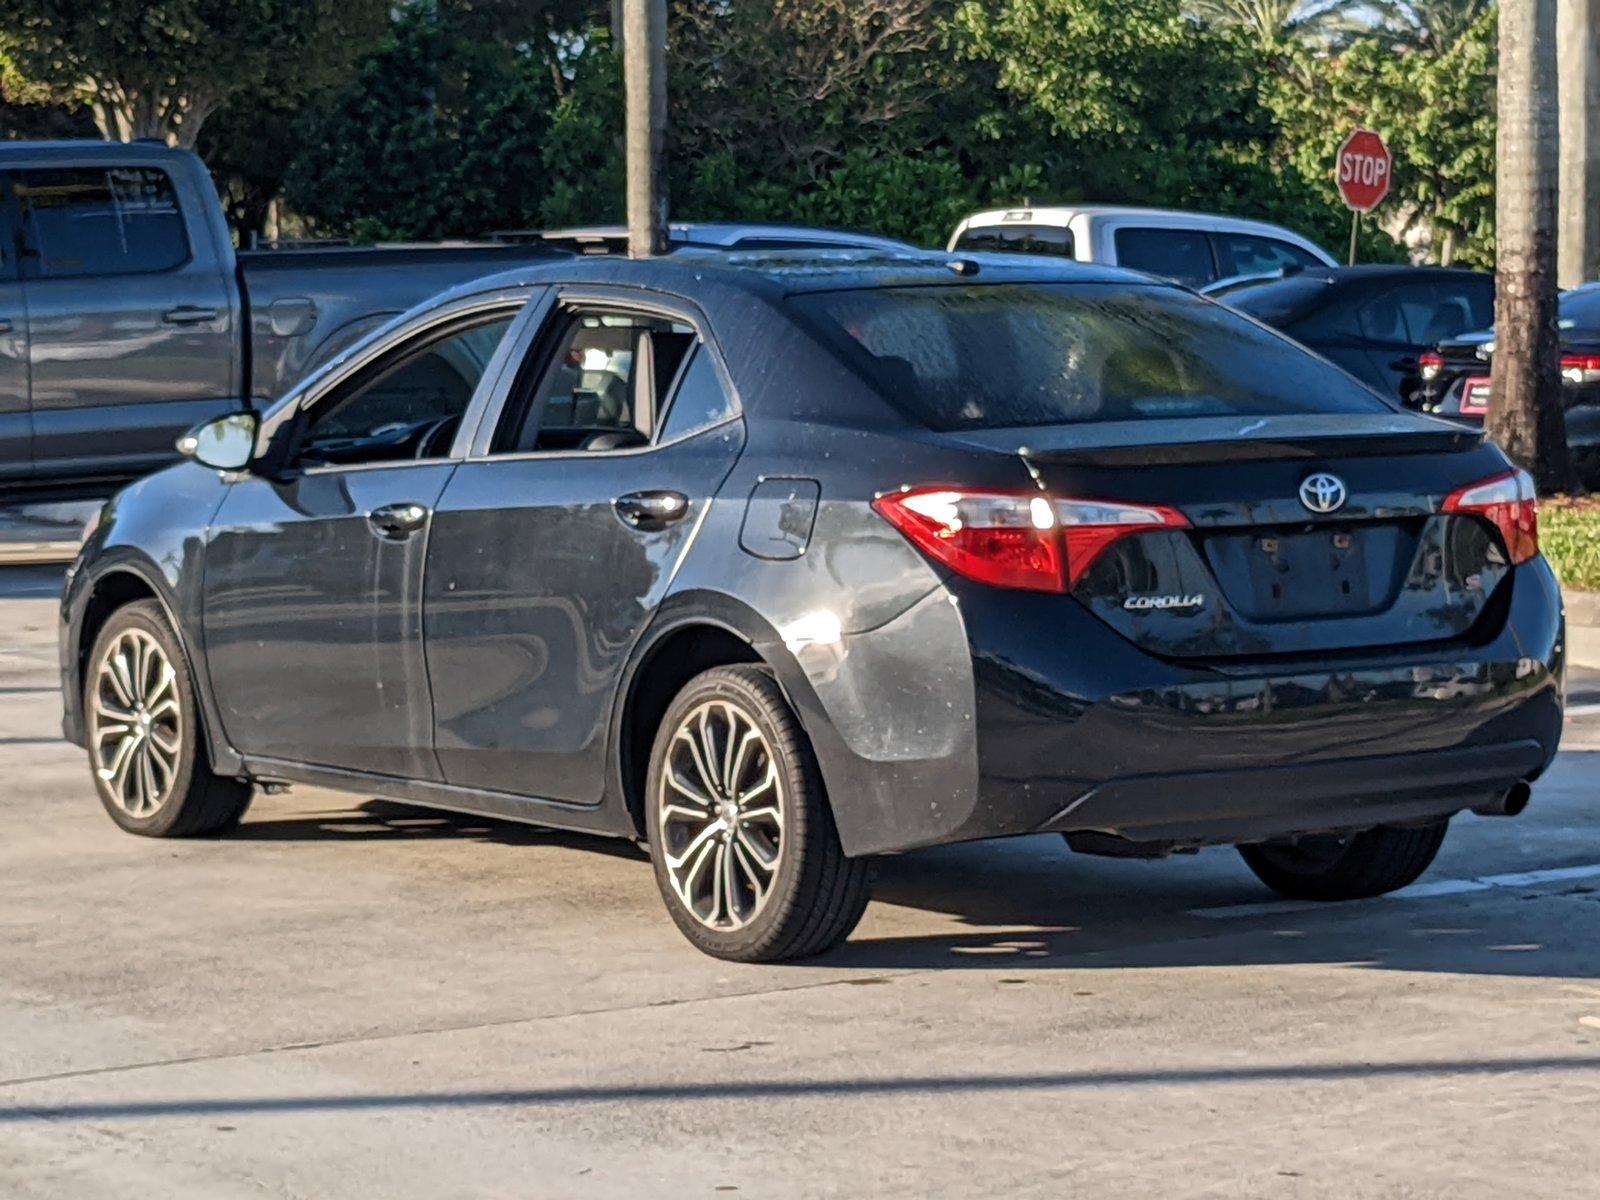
<point x="1308" y="572"/>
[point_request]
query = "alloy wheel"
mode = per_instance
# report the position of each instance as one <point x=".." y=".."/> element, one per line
<point x="721" y="807"/>
<point x="135" y="724"/>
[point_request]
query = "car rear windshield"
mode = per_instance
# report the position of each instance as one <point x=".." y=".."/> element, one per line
<point x="1000" y="355"/>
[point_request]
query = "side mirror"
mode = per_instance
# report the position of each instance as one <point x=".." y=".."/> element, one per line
<point x="227" y="443"/>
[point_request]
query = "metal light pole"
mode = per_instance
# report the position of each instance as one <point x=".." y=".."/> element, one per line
<point x="1525" y="415"/>
<point x="644" y="64"/>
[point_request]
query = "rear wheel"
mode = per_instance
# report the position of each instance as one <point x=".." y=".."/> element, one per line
<point x="150" y="769"/>
<point x="745" y="850"/>
<point x="1346" y="866"/>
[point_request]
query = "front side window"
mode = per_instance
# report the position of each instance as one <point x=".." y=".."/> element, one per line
<point x="94" y="221"/>
<point x="1180" y="254"/>
<point x="965" y="356"/>
<point x="603" y="387"/>
<point x="1053" y="240"/>
<point x="409" y="406"/>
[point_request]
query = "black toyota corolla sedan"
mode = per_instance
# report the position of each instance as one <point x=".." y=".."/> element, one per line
<point x="780" y="562"/>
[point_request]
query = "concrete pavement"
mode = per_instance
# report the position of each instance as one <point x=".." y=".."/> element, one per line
<point x="356" y="998"/>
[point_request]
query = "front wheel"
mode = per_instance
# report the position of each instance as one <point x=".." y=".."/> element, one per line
<point x="1351" y="866"/>
<point x="150" y="769"/>
<point x="746" y="853"/>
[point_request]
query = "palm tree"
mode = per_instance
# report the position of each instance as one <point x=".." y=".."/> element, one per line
<point x="1278" y="22"/>
<point x="1426" y="24"/>
<point x="1525" y="415"/>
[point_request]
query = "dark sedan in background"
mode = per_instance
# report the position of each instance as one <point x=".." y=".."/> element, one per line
<point x="1456" y="378"/>
<point x="782" y="561"/>
<point x="1376" y="322"/>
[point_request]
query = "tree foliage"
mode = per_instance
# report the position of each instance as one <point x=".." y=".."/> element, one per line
<point x="432" y="118"/>
<point x="160" y="68"/>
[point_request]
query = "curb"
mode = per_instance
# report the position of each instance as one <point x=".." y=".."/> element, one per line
<point x="1583" y="628"/>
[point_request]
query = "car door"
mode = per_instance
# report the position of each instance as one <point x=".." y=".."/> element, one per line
<point x="556" y="540"/>
<point x="130" y="328"/>
<point x="313" y="577"/>
<point x="16" y="425"/>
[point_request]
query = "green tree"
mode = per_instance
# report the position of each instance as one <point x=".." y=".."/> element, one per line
<point x="1435" y="110"/>
<point x="436" y="135"/>
<point x="161" y="68"/>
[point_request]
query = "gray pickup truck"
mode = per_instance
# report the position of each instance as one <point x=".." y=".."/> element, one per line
<point x="126" y="316"/>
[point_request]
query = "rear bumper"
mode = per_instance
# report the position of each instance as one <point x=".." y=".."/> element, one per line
<point x="1075" y="729"/>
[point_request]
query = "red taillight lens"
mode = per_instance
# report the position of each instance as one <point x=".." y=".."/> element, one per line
<point x="1017" y="539"/>
<point x="1509" y="503"/>
<point x="1430" y="364"/>
<point x="1475" y="393"/>
<point x="1580" y="368"/>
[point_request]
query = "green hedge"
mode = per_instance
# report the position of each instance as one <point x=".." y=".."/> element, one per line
<point x="1569" y="534"/>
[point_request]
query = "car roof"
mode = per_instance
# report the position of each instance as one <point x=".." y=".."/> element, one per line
<point x="143" y="150"/>
<point x="776" y="273"/>
<point x="1064" y="213"/>
<point x="711" y="233"/>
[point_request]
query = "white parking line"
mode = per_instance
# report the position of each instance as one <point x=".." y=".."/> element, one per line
<point x="1591" y="709"/>
<point x="1417" y="891"/>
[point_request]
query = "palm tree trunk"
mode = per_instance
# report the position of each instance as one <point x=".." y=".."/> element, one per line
<point x="1525" y="416"/>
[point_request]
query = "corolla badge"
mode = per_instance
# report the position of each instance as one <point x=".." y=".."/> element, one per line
<point x="1323" y="493"/>
<point x="1177" y="600"/>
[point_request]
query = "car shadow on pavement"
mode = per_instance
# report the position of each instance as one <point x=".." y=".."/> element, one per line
<point x="387" y="820"/>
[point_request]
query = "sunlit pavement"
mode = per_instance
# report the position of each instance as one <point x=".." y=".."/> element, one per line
<point x="355" y="998"/>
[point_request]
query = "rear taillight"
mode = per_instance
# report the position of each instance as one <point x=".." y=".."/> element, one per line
<point x="1507" y="502"/>
<point x="1475" y="393"/>
<point x="1017" y="539"/>
<point x="1430" y="364"/>
<point x="1580" y="368"/>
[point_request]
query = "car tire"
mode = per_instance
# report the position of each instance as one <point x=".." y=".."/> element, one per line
<point x="1346" y="867"/>
<point x="742" y="838"/>
<point x="149" y="762"/>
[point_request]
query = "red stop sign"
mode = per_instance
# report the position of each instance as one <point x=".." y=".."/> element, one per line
<point x="1363" y="170"/>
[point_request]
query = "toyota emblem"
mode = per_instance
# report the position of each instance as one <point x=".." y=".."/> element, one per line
<point x="1323" y="493"/>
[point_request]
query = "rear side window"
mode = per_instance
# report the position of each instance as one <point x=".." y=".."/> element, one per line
<point x="989" y="357"/>
<point x="1279" y="302"/>
<point x="1424" y="314"/>
<point x="1180" y="254"/>
<point x="1019" y="239"/>
<point x="1248" y="254"/>
<point x="700" y="400"/>
<point x="81" y="221"/>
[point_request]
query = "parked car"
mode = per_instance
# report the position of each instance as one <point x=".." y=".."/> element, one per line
<point x="782" y="562"/>
<point x="613" y="239"/>
<point x="126" y="316"/>
<point x="1190" y="247"/>
<point x="1456" y="378"/>
<point x="1374" y="321"/>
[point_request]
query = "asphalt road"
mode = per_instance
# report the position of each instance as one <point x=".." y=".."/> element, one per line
<point x="355" y="998"/>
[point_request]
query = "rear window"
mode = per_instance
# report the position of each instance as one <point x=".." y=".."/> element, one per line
<point x="1580" y="309"/>
<point x="93" y="221"/>
<point x="1053" y="240"/>
<point x="1181" y="254"/>
<point x="1000" y="355"/>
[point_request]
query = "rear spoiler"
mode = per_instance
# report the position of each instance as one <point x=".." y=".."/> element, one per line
<point x="1359" y="445"/>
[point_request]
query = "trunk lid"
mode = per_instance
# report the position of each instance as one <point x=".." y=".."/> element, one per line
<point x="1307" y="534"/>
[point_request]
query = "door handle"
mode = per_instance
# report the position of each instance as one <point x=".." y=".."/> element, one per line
<point x="651" y="510"/>
<point x="188" y="314"/>
<point x="397" y="521"/>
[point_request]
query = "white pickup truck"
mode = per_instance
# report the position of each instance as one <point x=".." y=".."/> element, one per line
<point x="1190" y="247"/>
